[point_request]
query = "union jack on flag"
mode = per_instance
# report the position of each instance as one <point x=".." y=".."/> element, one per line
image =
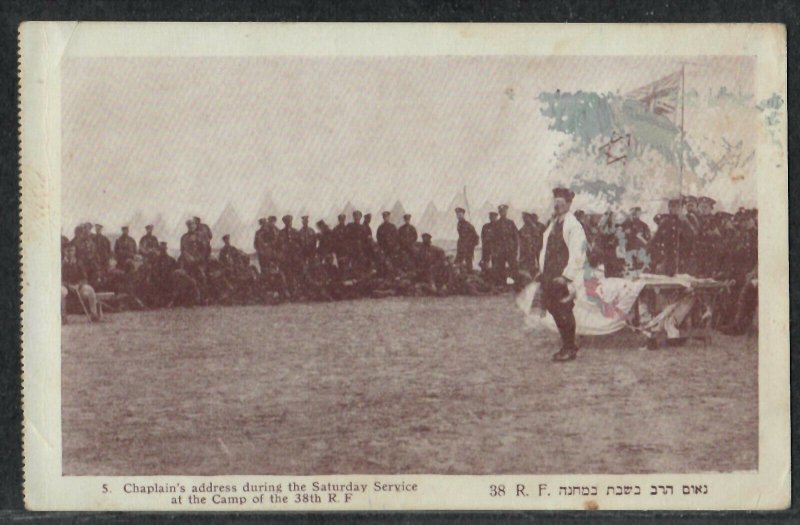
<point x="660" y="97"/>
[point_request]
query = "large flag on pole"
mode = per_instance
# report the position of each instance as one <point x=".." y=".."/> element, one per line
<point x="660" y="97"/>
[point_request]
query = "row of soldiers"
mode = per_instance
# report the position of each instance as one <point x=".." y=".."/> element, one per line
<point x="347" y="260"/>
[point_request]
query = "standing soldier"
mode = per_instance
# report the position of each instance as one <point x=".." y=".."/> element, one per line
<point x="367" y="225"/>
<point x="228" y="255"/>
<point x="192" y="254"/>
<point x="387" y="235"/>
<point x="148" y="244"/>
<point x="671" y="247"/>
<point x="707" y="239"/>
<point x="204" y="236"/>
<point x="261" y="243"/>
<point x="340" y="241"/>
<point x="690" y="208"/>
<point x="290" y="263"/>
<point x="487" y="242"/>
<point x="355" y="239"/>
<point x="163" y="268"/>
<point x="506" y="244"/>
<point x="407" y="235"/>
<point x="325" y="243"/>
<point x="637" y="236"/>
<point x="103" y="246"/>
<point x="467" y="241"/>
<point x="308" y="240"/>
<point x="562" y="264"/>
<point x="124" y="249"/>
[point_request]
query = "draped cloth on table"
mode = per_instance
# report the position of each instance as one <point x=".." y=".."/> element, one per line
<point x="604" y="305"/>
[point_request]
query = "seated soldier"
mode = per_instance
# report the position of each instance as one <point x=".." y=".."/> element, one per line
<point x="73" y="280"/>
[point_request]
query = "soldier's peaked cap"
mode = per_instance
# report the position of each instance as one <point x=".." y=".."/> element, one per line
<point x="636" y="209"/>
<point x="564" y="193"/>
<point x="304" y="216"/>
<point x="426" y="235"/>
<point x="124" y="228"/>
<point x="262" y="220"/>
<point x="407" y="216"/>
<point x="148" y="227"/>
<point x="460" y="210"/>
<point x="342" y="216"/>
<point x="492" y="214"/>
<point x="502" y="207"/>
<point x="272" y="218"/>
<point x="98" y="225"/>
<point x="386" y="213"/>
<point x="707" y="200"/>
<point x="286" y="218"/>
<point x="226" y="236"/>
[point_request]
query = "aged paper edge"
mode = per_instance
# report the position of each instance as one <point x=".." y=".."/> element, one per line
<point x="44" y="44"/>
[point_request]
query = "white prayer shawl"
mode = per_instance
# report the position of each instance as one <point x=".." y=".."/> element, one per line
<point x="575" y="239"/>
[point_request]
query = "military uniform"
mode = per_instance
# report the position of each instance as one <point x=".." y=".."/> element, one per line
<point x="530" y="244"/>
<point x="387" y="238"/>
<point x="148" y="245"/>
<point x="672" y="246"/>
<point x="467" y="241"/>
<point x="637" y="236"/>
<point x="487" y="241"/>
<point x="291" y="264"/>
<point x="124" y="250"/>
<point x="505" y="250"/>
<point x="407" y="237"/>
<point x="308" y="242"/>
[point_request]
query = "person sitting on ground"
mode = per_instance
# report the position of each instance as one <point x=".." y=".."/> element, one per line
<point x="74" y="280"/>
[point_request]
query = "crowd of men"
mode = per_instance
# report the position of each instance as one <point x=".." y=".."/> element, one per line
<point x="349" y="260"/>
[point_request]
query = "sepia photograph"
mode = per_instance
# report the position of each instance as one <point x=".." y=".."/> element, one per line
<point x="397" y="264"/>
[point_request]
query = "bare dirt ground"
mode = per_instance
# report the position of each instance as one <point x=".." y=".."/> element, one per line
<point x="449" y="386"/>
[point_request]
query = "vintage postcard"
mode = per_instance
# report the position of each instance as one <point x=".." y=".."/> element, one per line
<point x="346" y="267"/>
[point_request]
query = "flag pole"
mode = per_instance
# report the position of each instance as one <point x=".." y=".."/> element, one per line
<point x="466" y="202"/>
<point x="680" y="152"/>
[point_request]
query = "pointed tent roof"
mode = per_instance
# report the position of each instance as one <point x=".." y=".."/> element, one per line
<point x="348" y="210"/>
<point x="268" y="207"/>
<point x="230" y="222"/>
<point x="398" y="211"/>
<point x="429" y="218"/>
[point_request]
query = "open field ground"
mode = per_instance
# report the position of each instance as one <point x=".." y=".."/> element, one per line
<point x="449" y="386"/>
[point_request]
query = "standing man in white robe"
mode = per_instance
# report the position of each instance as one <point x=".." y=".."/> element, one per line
<point x="562" y="263"/>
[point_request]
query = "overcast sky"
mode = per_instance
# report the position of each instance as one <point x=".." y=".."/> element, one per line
<point x="188" y="135"/>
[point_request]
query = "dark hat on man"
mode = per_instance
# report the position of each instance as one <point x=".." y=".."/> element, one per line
<point x="460" y="210"/>
<point x="502" y="207"/>
<point x="525" y="214"/>
<point x="125" y="228"/>
<point x="272" y="218"/>
<point x="426" y="236"/>
<point x="304" y="217"/>
<point x="534" y="216"/>
<point x="636" y="209"/>
<point x="226" y="237"/>
<point x="342" y="216"/>
<point x="188" y="222"/>
<point x="563" y="193"/>
<point x="356" y="212"/>
<point x="148" y="227"/>
<point x="407" y="216"/>
<point x="320" y="223"/>
<point x="196" y="219"/>
<point x="262" y="221"/>
<point x="385" y="213"/>
<point x="674" y="202"/>
<point x="98" y="225"/>
<point x="286" y="218"/>
<point x="492" y="214"/>
<point x="688" y="198"/>
<point x="367" y="215"/>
